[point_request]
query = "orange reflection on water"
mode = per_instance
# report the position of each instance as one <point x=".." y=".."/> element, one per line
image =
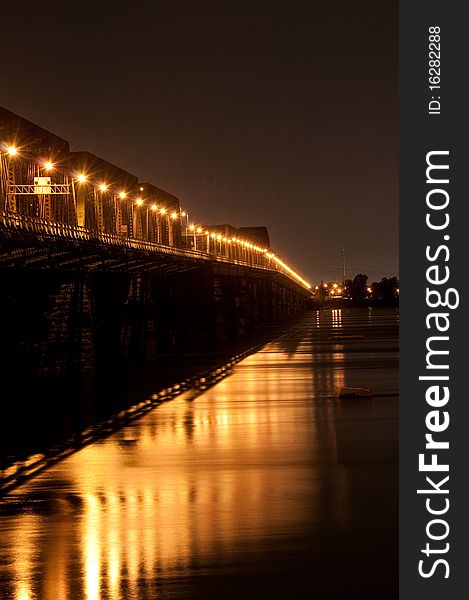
<point x="194" y="484"/>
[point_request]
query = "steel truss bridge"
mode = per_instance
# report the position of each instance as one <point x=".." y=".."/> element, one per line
<point x="53" y="216"/>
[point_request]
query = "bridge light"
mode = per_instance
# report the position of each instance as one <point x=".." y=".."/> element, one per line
<point x="122" y="195"/>
<point x="174" y="215"/>
<point x="163" y="211"/>
<point x="139" y="201"/>
<point x="218" y="237"/>
<point x="48" y="165"/>
<point x="212" y="235"/>
<point x="183" y="214"/>
<point x="12" y="151"/>
<point x="103" y="187"/>
<point x="154" y="208"/>
<point x="192" y="227"/>
<point x="81" y="178"/>
<point x="141" y="189"/>
<point x="199" y="230"/>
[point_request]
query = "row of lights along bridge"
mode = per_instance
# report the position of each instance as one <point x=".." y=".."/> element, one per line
<point x="82" y="178"/>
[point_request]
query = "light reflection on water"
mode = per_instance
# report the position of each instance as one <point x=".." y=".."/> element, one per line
<point x="257" y="475"/>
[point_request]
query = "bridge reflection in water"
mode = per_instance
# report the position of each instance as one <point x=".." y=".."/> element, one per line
<point x="263" y="484"/>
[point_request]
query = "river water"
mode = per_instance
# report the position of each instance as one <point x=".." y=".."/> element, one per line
<point x="264" y="485"/>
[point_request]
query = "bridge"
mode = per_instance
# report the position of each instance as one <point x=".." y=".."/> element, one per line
<point x="58" y="196"/>
<point x="89" y="252"/>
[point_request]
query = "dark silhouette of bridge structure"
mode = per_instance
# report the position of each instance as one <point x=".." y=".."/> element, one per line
<point x="92" y="257"/>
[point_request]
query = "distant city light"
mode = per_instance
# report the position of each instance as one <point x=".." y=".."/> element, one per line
<point x="12" y="151"/>
<point x="174" y="215"/>
<point x="122" y="195"/>
<point x="163" y="211"/>
<point x="103" y="187"/>
<point x="81" y="178"/>
<point x="154" y="207"/>
<point x="139" y="201"/>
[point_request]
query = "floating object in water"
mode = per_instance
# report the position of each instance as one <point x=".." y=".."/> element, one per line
<point x="353" y="392"/>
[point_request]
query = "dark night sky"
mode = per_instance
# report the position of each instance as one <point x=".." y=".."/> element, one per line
<point x="253" y="113"/>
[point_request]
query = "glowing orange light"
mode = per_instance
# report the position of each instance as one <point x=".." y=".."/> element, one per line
<point x="12" y="151"/>
<point x="48" y="165"/>
<point x="81" y="178"/>
<point x="154" y="207"/>
<point x="192" y="227"/>
<point x="174" y="215"/>
<point x="163" y="211"/>
<point x="139" y="201"/>
<point x="103" y="187"/>
<point x="122" y="195"/>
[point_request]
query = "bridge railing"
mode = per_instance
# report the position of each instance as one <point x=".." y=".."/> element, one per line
<point x="23" y="224"/>
<point x="17" y="222"/>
